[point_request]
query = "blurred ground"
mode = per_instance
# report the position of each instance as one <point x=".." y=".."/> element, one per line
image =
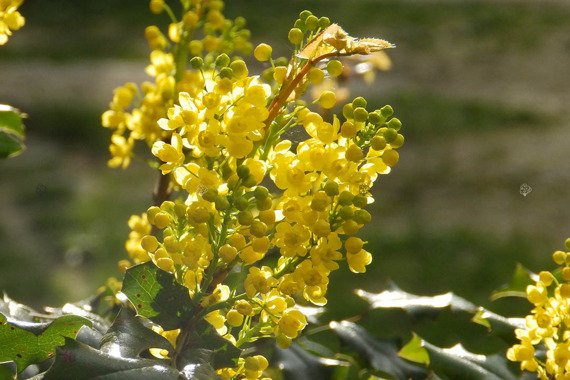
<point x="479" y="86"/>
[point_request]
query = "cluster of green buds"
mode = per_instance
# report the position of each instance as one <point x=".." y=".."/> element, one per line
<point x="249" y="221"/>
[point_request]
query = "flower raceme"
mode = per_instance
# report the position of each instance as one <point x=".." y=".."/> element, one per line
<point x="245" y="198"/>
<point x="548" y="324"/>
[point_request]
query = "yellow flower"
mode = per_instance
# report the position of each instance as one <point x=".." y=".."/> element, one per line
<point x="292" y="239"/>
<point x="171" y="154"/>
<point x="291" y="323"/>
<point x="10" y="19"/>
<point x="259" y="281"/>
<point x="121" y="151"/>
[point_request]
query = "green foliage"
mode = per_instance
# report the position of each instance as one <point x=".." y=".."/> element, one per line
<point x="79" y="361"/>
<point x="29" y="343"/>
<point x="157" y="296"/>
<point x="516" y="287"/>
<point x="11" y="131"/>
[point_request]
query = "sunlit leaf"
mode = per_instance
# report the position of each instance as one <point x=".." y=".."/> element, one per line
<point x="79" y="361"/>
<point x="516" y="287"/>
<point x="31" y="343"/>
<point x="414" y="351"/>
<point x="11" y="131"/>
<point x="157" y="296"/>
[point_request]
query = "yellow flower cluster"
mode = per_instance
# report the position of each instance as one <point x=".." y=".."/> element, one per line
<point x="257" y="221"/>
<point x="134" y="111"/>
<point x="10" y="18"/>
<point x="548" y="325"/>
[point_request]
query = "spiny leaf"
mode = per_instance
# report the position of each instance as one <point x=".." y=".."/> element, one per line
<point x="381" y="355"/>
<point x="27" y="347"/>
<point x="11" y="131"/>
<point x="206" y="346"/>
<point x="456" y="362"/>
<point x="79" y="361"/>
<point x="297" y="363"/>
<point x="414" y="351"/>
<point x="521" y="278"/>
<point x="127" y="337"/>
<point x="418" y="305"/>
<point x="157" y="296"/>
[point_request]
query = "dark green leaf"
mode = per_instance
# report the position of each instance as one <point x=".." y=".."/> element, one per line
<point x="157" y="296"/>
<point x="206" y="346"/>
<point x="11" y="131"/>
<point x="381" y="355"/>
<point x="456" y="362"/>
<point x="516" y="287"/>
<point x="297" y="363"/>
<point x="127" y="337"/>
<point x="34" y="346"/>
<point x="420" y="305"/>
<point x="79" y="361"/>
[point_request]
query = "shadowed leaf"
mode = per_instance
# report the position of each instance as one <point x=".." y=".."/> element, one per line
<point x="127" y="337"/>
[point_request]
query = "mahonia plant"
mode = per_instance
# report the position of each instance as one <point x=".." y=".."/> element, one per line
<point x="547" y="327"/>
<point x="249" y="217"/>
<point x="10" y="18"/>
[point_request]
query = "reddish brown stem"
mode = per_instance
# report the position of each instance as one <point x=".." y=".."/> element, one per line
<point x="162" y="190"/>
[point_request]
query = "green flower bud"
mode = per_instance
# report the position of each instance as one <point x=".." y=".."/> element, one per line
<point x="262" y="52"/>
<point x="261" y="192"/>
<point x="295" y="36"/>
<point x="241" y="203"/>
<point x="346" y="212"/>
<point x="345" y="198"/>
<point x="362" y="217"/>
<point x="264" y="204"/>
<point x="197" y="63"/>
<point x="398" y="141"/>
<point x="245" y="218"/>
<point x="226" y="72"/>
<point x="249" y="182"/>
<point x="331" y="188"/>
<point x="242" y="171"/>
<point x="359" y="102"/>
<point x="258" y="228"/>
<point x="390" y="157"/>
<point x="360" y="201"/>
<point x="334" y="68"/>
<point x="221" y="203"/>
<point x="354" y="153"/>
<point x="394" y="123"/>
<point x="304" y="15"/>
<point x="378" y="142"/>
<point x="324" y="22"/>
<point x="390" y="134"/>
<point x="387" y="111"/>
<point x="239" y="68"/>
<point x="360" y="114"/>
<point x="348" y="111"/>
<point x="222" y="60"/>
<point x="375" y="117"/>
<point x="312" y="22"/>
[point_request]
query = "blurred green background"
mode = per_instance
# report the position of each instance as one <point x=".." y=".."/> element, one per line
<point x="479" y="86"/>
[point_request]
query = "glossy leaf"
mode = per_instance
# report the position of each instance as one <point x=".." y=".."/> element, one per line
<point x="297" y="363"/>
<point x="414" y="351"/>
<point x="31" y="343"/>
<point x="157" y="296"/>
<point x="456" y="362"/>
<point x="127" y="337"/>
<point x="11" y="131"/>
<point x="206" y="346"/>
<point x="79" y="361"/>
<point x="429" y="305"/>
<point x="381" y="355"/>
<point x="521" y="278"/>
